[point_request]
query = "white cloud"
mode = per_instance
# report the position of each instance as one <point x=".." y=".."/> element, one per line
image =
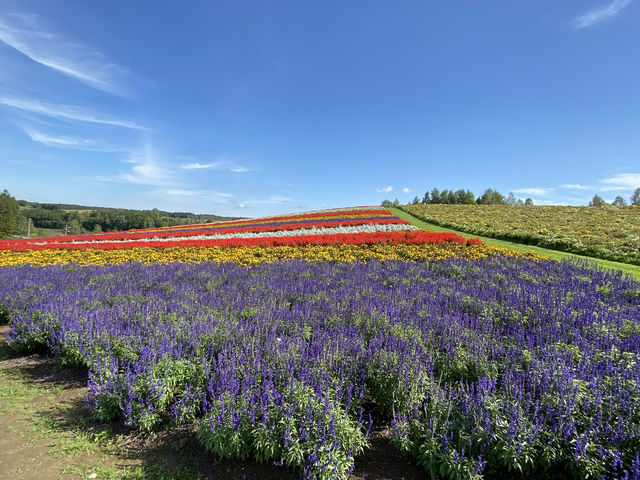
<point x="67" y="112"/>
<point x="621" y="181"/>
<point x="205" y="196"/>
<point x="226" y="164"/>
<point x="73" y="143"/>
<point x="388" y="189"/>
<point x="239" y="169"/>
<point x="534" y="191"/>
<point x="196" y="166"/>
<point x="406" y="190"/>
<point x="27" y="34"/>
<point x="146" y="170"/>
<point x="540" y="201"/>
<point x="272" y="200"/>
<point x="277" y="199"/>
<point x="575" y="186"/>
<point x="180" y="192"/>
<point x="599" y="14"/>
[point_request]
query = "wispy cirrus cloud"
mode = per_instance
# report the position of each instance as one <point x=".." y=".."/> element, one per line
<point x="72" y="113"/>
<point x="68" y="142"/>
<point x="575" y="186"/>
<point x="599" y="14"/>
<point x="387" y="189"/>
<point x="272" y="200"/>
<point x="225" y="164"/>
<point x="28" y="34"/>
<point x="621" y="181"/>
<point x="534" y="191"/>
<point x="275" y="199"/>
<point x="205" y="195"/>
<point x="406" y="190"/>
<point x="146" y="169"/>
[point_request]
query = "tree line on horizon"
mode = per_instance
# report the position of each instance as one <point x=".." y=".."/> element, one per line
<point x="619" y="201"/>
<point x="493" y="197"/>
<point x="18" y="217"/>
<point x="463" y="197"/>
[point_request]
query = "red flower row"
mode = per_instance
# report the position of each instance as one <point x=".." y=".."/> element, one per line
<point x="394" y="238"/>
<point x="10" y="244"/>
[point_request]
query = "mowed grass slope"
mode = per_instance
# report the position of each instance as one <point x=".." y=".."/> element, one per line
<point x="627" y="268"/>
<point x="608" y="232"/>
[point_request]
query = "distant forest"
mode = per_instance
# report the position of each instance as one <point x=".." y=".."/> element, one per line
<point x="60" y="218"/>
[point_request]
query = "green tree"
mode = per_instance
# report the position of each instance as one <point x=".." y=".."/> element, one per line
<point x="469" y="198"/>
<point x="528" y="202"/>
<point x="491" y="197"/>
<point x="619" y="201"/>
<point x="635" y="198"/>
<point x="459" y="196"/>
<point x="435" y="196"/>
<point x="74" y="227"/>
<point x="426" y="199"/>
<point x="10" y="218"/>
<point x="416" y="200"/>
<point x="597" y="201"/>
<point x="451" y="197"/>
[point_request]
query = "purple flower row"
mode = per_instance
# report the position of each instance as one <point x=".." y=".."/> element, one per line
<point x="481" y="367"/>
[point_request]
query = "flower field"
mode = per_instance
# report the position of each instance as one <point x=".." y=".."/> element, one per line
<point x="289" y="349"/>
<point x="348" y="234"/>
<point x="608" y="232"/>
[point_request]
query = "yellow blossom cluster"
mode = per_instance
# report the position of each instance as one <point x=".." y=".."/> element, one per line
<point x="251" y="255"/>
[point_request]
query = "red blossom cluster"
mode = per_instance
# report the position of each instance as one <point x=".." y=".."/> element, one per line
<point x="393" y="238"/>
<point x="132" y="235"/>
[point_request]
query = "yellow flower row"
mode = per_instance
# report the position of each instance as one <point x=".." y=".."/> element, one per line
<point x="254" y="255"/>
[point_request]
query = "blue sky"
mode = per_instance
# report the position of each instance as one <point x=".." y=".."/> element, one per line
<point x="251" y="108"/>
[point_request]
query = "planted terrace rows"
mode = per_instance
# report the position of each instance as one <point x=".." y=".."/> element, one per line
<point x="360" y="233"/>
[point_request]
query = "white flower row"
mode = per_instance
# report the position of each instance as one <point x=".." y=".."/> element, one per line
<point x="365" y="228"/>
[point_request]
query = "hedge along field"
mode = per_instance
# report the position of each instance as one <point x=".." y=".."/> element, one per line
<point x="608" y="232"/>
<point x="482" y="362"/>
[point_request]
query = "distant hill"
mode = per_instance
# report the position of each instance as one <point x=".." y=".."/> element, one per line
<point x="60" y="218"/>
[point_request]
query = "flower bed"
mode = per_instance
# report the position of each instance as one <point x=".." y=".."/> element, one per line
<point x="355" y="229"/>
<point x="482" y="367"/>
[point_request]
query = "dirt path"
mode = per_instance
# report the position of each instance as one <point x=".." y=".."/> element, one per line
<point x="47" y="432"/>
